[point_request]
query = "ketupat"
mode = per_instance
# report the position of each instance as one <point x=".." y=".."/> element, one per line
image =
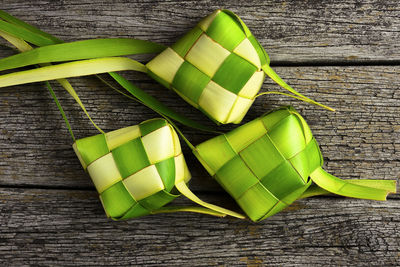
<point x="139" y="169"/>
<point x="267" y="163"/>
<point x="215" y="67"/>
<point x="258" y="198"/>
<point x="218" y="67"/>
<point x="136" y="170"/>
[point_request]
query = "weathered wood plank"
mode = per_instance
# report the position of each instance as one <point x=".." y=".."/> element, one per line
<point x="61" y="227"/>
<point x="291" y="31"/>
<point x="359" y="141"/>
<point x="68" y="227"/>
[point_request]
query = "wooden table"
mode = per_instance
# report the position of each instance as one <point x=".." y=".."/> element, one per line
<point x="345" y="55"/>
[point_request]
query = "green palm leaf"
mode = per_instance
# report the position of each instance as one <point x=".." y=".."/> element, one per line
<point x="84" y="50"/>
<point x="218" y="67"/>
<point x="271" y="161"/>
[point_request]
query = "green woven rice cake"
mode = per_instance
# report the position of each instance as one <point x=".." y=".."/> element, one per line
<point x="267" y="164"/>
<point x="134" y="168"/>
<point x="216" y="67"/>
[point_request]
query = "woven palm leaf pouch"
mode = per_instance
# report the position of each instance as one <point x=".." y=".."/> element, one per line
<point x="136" y="170"/>
<point x="268" y="163"/>
<point x="217" y="67"/>
<point x="139" y="169"/>
<point x="264" y="165"/>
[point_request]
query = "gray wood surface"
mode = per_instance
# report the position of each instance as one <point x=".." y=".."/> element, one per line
<point x="291" y="31"/>
<point x="72" y="230"/>
<point x="345" y="55"/>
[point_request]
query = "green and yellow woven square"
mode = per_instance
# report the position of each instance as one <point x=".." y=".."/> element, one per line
<point x="265" y="164"/>
<point x="216" y="67"/>
<point x="134" y="168"/>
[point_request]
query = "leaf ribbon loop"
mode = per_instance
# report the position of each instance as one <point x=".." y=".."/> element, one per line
<point x="275" y="77"/>
<point x="92" y="52"/>
<point x="22" y="46"/>
<point x="195" y="209"/>
<point x="88" y="49"/>
<point x="29" y="28"/>
<point x="184" y="189"/>
<point x="365" y="189"/>
<point x="17" y="29"/>
<point x="71" y="69"/>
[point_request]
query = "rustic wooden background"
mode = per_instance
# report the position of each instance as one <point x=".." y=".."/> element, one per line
<point x="342" y="53"/>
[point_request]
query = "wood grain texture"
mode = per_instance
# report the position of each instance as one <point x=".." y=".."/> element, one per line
<point x="361" y="140"/>
<point x="291" y="31"/>
<point x="72" y="230"/>
<point x="344" y="54"/>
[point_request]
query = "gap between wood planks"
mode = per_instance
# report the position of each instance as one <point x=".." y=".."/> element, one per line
<point x="91" y="189"/>
<point x="334" y="63"/>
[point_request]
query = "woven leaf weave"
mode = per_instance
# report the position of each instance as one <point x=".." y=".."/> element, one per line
<point x="268" y="169"/>
<point x="216" y="67"/>
<point x="134" y="169"/>
<point x="271" y="161"/>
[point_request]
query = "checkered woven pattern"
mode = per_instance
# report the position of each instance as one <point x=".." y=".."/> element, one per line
<point x="265" y="164"/>
<point x="134" y="168"/>
<point x="216" y="67"/>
